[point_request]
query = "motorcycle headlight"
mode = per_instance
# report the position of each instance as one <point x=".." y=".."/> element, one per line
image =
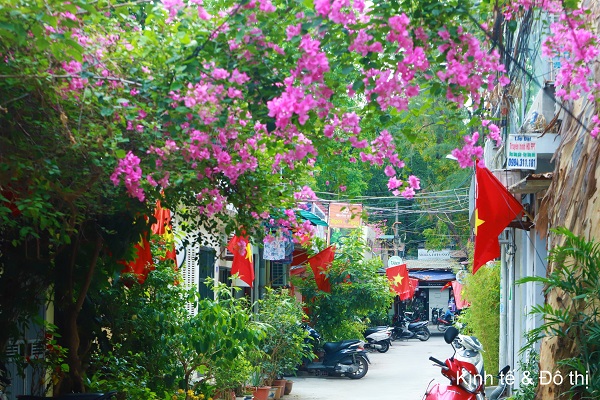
<point x="468" y="381"/>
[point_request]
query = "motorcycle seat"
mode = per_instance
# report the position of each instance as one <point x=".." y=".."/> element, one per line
<point x="414" y="325"/>
<point x="375" y="329"/>
<point x="332" y="347"/>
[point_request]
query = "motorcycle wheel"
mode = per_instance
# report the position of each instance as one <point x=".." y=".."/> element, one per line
<point x="442" y="327"/>
<point x="363" y="367"/>
<point x="385" y="346"/>
<point x="423" y="335"/>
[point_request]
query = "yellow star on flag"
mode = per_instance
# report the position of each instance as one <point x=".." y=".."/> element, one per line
<point x="398" y="280"/>
<point x="248" y="252"/>
<point x="477" y="220"/>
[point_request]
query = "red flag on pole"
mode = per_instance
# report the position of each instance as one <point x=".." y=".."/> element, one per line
<point x="142" y="264"/>
<point x="398" y="277"/>
<point x="495" y="208"/>
<point x="242" y="264"/>
<point x="319" y="263"/>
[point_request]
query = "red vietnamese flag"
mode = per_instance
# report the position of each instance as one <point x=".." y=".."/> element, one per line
<point x="242" y="264"/>
<point x="495" y="208"/>
<point x="398" y="276"/>
<point x="163" y="228"/>
<point x="319" y="263"/>
<point x="142" y="264"/>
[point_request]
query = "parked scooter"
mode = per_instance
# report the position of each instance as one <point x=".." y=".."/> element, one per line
<point x="347" y="357"/>
<point x="436" y="313"/>
<point x="404" y="329"/>
<point x="378" y="338"/>
<point x="444" y="322"/>
<point x="465" y="370"/>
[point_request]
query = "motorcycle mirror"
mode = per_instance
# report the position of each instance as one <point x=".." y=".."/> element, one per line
<point x="503" y="371"/>
<point x="450" y="334"/>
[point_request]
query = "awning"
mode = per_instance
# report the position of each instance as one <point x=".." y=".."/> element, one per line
<point x="307" y="215"/>
<point x="432" y="275"/>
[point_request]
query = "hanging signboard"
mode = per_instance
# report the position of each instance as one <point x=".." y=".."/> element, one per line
<point x="522" y="153"/>
<point x="433" y="254"/>
<point x="394" y="260"/>
<point x="344" y="215"/>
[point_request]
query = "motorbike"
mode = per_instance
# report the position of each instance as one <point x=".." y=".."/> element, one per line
<point x="404" y="329"/>
<point x="347" y="357"/>
<point x="436" y="313"/>
<point x="443" y="324"/>
<point x="378" y="338"/>
<point x="465" y="370"/>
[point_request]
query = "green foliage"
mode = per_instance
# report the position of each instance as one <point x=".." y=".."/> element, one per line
<point x="438" y="237"/>
<point x="151" y="330"/>
<point x="576" y="276"/>
<point x="284" y="343"/>
<point x="531" y="366"/>
<point x="357" y="291"/>
<point x="127" y="375"/>
<point x="482" y="319"/>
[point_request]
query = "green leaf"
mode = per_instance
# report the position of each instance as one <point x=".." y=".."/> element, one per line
<point x="309" y="4"/>
<point x="358" y="85"/>
<point x="347" y="70"/>
<point x="106" y="111"/>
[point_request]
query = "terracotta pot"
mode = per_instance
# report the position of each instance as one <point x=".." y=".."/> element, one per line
<point x="275" y="392"/>
<point x="288" y="387"/>
<point x="261" y="392"/>
<point x="278" y="382"/>
<point x="228" y="395"/>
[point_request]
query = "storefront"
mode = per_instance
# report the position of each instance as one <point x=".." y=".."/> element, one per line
<point x="431" y="283"/>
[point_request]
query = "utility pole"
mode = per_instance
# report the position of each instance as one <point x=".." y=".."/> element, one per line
<point x="396" y="232"/>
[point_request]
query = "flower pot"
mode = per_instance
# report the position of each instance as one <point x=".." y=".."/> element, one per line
<point x="281" y="384"/>
<point x="275" y="393"/>
<point x="278" y="391"/>
<point x="288" y="387"/>
<point x="225" y="395"/>
<point x="261" y="392"/>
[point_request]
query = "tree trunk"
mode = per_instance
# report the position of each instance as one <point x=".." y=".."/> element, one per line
<point x="572" y="201"/>
<point x="69" y="302"/>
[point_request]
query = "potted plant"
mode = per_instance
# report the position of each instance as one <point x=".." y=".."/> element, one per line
<point x="230" y="376"/>
<point x="284" y="344"/>
<point x="260" y="391"/>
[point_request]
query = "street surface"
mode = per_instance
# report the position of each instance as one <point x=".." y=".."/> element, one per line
<point x="402" y="373"/>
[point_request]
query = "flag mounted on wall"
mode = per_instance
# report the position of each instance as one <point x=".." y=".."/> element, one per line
<point x="242" y="264"/>
<point x="495" y="208"/>
<point x="398" y="277"/>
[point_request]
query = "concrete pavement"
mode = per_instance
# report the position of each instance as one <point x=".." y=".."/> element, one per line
<point x="402" y="373"/>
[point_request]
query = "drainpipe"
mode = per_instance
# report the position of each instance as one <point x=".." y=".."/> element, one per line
<point x="503" y="347"/>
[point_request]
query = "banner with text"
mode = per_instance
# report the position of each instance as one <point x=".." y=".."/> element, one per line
<point x="345" y="215"/>
<point x="522" y="153"/>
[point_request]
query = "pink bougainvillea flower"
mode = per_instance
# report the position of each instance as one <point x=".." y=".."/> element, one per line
<point x="394" y="183"/>
<point x="414" y="182"/>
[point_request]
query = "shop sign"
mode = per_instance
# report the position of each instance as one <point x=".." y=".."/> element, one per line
<point x="522" y="153"/>
<point x="345" y="215"/>
<point x="433" y="254"/>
